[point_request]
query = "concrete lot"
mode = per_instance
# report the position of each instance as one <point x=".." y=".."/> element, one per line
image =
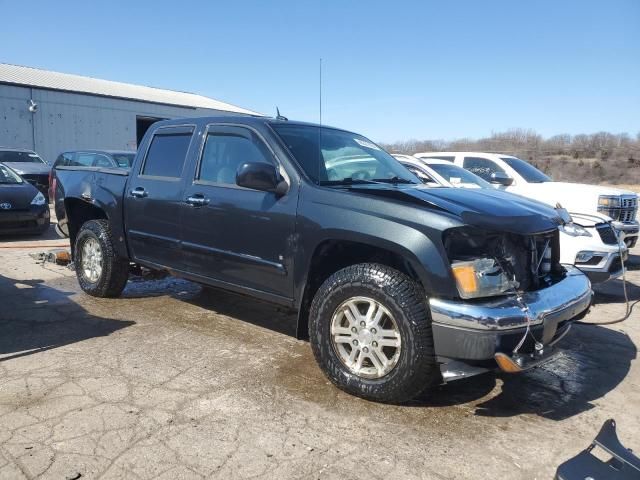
<point x="175" y="381"/>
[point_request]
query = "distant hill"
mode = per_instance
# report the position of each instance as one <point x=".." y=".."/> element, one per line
<point x="601" y="157"/>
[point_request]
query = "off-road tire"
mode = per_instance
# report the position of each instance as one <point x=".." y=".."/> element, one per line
<point x="115" y="270"/>
<point x="416" y="369"/>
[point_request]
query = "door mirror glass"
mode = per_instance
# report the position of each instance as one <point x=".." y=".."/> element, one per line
<point x="501" y="178"/>
<point x="261" y="176"/>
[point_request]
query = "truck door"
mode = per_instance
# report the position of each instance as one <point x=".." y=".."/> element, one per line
<point x="233" y="236"/>
<point x="153" y="198"/>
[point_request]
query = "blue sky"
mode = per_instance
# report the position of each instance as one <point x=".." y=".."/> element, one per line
<point x="392" y="70"/>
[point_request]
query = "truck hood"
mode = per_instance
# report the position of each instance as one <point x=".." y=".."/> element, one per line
<point x="29" y="168"/>
<point x="485" y="208"/>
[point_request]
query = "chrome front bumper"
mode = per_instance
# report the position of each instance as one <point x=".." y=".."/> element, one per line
<point x="477" y="330"/>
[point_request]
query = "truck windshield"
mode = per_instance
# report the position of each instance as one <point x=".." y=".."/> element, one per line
<point x="336" y="157"/>
<point x="19" y="157"/>
<point x="527" y="171"/>
<point x="458" y="176"/>
<point x="8" y="176"/>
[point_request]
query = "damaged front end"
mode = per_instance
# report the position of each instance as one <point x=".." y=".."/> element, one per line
<point x="516" y="301"/>
<point x="502" y="262"/>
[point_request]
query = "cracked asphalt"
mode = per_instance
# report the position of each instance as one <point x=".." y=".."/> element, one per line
<point x="175" y="381"/>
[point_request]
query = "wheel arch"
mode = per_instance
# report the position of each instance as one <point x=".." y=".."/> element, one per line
<point x="77" y="213"/>
<point x="334" y="254"/>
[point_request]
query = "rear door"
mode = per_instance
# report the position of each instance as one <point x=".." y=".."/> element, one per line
<point x="154" y="196"/>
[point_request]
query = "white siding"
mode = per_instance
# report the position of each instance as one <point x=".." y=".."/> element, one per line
<point x="69" y="121"/>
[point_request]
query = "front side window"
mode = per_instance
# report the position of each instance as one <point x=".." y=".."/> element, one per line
<point x="334" y="157"/>
<point x="20" y="157"/>
<point x="527" y="171"/>
<point x="482" y="167"/>
<point x="8" y="176"/>
<point x="225" y="150"/>
<point x="167" y="155"/>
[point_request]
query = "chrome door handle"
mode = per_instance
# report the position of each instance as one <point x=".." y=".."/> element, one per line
<point x="139" y="192"/>
<point x="197" y="201"/>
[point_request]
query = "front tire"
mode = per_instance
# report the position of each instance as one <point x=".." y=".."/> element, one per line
<point x="370" y="332"/>
<point x="100" y="272"/>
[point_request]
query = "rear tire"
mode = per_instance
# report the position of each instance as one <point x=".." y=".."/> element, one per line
<point x="100" y="272"/>
<point x="399" y="362"/>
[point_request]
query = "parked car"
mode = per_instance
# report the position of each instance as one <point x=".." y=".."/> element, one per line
<point x="518" y="176"/>
<point x="590" y="242"/>
<point x="86" y="158"/>
<point x="29" y="165"/>
<point x="23" y="208"/>
<point x="396" y="285"/>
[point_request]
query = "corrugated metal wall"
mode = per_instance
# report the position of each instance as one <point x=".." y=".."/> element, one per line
<point x="69" y="121"/>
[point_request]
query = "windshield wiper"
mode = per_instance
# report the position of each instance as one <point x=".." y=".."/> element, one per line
<point x="346" y="181"/>
<point x="394" y="180"/>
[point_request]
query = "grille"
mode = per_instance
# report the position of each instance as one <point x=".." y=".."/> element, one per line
<point x="607" y="234"/>
<point x="627" y="210"/>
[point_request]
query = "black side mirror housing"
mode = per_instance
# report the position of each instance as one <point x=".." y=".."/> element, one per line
<point x="261" y="176"/>
<point x="501" y="178"/>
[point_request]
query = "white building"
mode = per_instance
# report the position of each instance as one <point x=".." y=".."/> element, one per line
<point x="50" y="112"/>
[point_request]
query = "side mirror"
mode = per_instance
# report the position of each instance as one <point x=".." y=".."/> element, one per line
<point x="261" y="176"/>
<point x="501" y="178"/>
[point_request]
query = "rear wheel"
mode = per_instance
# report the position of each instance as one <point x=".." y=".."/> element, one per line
<point x="370" y="332"/>
<point x="100" y="271"/>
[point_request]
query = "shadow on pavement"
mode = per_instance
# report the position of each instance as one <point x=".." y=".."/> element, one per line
<point x="35" y="317"/>
<point x="594" y="361"/>
<point x="242" y="308"/>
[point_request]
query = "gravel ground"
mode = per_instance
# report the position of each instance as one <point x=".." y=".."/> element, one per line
<point x="176" y="381"/>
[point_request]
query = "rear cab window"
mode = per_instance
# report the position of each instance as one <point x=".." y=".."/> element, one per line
<point x="167" y="153"/>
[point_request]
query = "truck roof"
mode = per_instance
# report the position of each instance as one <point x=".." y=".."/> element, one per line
<point x="242" y="120"/>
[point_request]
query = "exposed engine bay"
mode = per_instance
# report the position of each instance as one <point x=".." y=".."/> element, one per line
<point x="529" y="262"/>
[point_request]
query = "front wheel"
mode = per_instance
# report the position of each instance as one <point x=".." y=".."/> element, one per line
<point x="100" y="271"/>
<point x="370" y="331"/>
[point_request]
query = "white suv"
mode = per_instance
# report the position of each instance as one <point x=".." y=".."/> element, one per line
<point x="517" y="176"/>
<point x="590" y="243"/>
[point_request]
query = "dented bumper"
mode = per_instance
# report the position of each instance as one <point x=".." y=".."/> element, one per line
<point x="478" y="330"/>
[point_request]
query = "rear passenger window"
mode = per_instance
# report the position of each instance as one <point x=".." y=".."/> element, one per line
<point x="226" y="150"/>
<point x="167" y="154"/>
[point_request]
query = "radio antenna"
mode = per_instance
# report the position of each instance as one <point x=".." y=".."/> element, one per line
<point x="320" y="99"/>
<point x="320" y="156"/>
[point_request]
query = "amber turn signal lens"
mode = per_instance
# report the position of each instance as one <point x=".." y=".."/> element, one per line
<point x="466" y="278"/>
<point x="506" y="363"/>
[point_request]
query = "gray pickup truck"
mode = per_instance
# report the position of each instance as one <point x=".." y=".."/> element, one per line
<point x="397" y="285"/>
